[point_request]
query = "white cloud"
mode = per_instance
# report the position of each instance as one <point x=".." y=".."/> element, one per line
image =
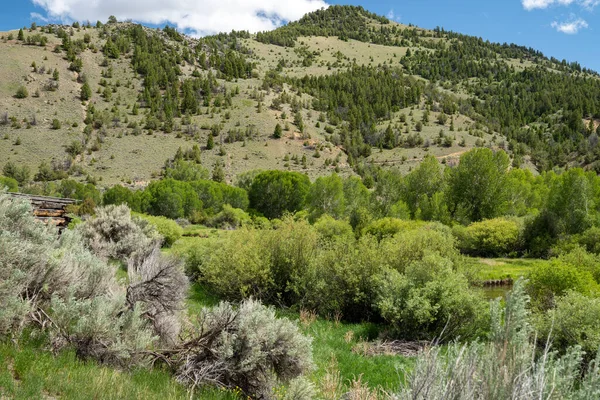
<point x="392" y="16"/>
<point x="570" y="27"/>
<point x="197" y="16"/>
<point x="541" y="4"/>
<point x="38" y="17"/>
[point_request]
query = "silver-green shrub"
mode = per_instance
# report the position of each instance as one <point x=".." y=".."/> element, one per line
<point x="247" y="347"/>
<point x="113" y="233"/>
<point x="158" y="285"/>
<point x="507" y="367"/>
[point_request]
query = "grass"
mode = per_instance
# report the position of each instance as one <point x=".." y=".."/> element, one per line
<point x="501" y="268"/>
<point x="332" y="340"/>
<point x="27" y="371"/>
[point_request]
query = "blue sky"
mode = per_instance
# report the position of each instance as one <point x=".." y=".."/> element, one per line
<point x="565" y="29"/>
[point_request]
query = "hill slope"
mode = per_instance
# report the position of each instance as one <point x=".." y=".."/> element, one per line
<point x="350" y="90"/>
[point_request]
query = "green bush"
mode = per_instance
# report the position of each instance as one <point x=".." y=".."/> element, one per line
<point x="10" y="184"/>
<point x="338" y="279"/>
<point x="22" y="93"/>
<point x="388" y="227"/>
<point x="549" y="280"/>
<point x="236" y="267"/>
<point x="412" y="245"/>
<point x="56" y="124"/>
<point x="167" y="228"/>
<point x="496" y="237"/>
<point x="430" y="301"/>
<point x="230" y="218"/>
<point x="331" y="229"/>
<point x="574" y="321"/>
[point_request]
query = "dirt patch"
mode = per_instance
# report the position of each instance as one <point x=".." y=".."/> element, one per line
<point x="490" y="262"/>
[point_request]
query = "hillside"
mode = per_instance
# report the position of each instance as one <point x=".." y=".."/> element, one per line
<point x="350" y="90"/>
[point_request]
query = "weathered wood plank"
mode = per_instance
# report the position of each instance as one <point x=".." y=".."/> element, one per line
<point x="48" y="213"/>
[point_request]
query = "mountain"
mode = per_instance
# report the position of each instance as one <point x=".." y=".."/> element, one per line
<point x="345" y="90"/>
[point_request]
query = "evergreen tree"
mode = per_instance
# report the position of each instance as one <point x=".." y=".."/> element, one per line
<point x="278" y="131"/>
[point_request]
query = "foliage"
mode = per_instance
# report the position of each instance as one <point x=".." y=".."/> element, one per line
<point x="505" y="367"/>
<point x="248" y="348"/>
<point x="275" y="192"/>
<point x="167" y="228"/>
<point x="10" y="184"/>
<point x="574" y="321"/>
<point x="429" y="301"/>
<point x="113" y="233"/>
<point x="476" y="187"/>
<point x="496" y="237"/>
<point x="22" y="93"/>
<point x="547" y="281"/>
<point x="172" y="199"/>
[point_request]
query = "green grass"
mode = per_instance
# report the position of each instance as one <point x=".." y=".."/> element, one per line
<point x="27" y="371"/>
<point x="501" y="268"/>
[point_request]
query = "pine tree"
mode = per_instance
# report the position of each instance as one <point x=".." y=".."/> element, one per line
<point x="210" y="143"/>
<point x="21" y="36"/>
<point x="278" y="131"/>
<point x="86" y="92"/>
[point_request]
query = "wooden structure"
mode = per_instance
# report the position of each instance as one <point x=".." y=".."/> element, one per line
<point x="49" y="210"/>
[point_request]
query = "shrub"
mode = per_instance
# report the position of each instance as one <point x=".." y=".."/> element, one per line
<point x="247" y="348"/>
<point x="9" y="183"/>
<point x="496" y="237"/>
<point x="339" y="279"/>
<point x="172" y="199"/>
<point x="22" y="93"/>
<point x="388" y="227"/>
<point x="113" y="233"/>
<point x="575" y="321"/>
<point x="507" y="367"/>
<point x="230" y="218"/>
<point x="549" y="280"/>
<point x="237" y="267"/>
<point x="429" y="301"/>
<point x="59" y="284"/>
<point x="412" y="245"/>
<point x="100" y="329"/>
<point x="159" y="287"/>
<point x="275" y="192"/>
<point x="331" y="229"/>
<point x="167" y="228"/>
<point x="55" y="124"/>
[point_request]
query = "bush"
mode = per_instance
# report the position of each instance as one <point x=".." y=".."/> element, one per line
<point x="10" y="184"/>
<point x="332" y="229"/>
<point x="412" y="245"/>
<point x="158" y="286"/>
<point x="549" y="280"/>
<point x="388" y="227"/>
<point x="575" y="321"/>
<point x="248" y="348"/>
<point x="113" y="233"/>
<point x="230" y="218"/>
<point x="22" y="93"/>
<point x="338" y="279"/>
<point x="237" y="267"/>
<point x="430" y="301"/>
<point x="275" y="192"/>
<point x="507" y="367"/>
<point x="498" y="237"/>
<point x="56" y="124"/>
<point x="167" y="228"/>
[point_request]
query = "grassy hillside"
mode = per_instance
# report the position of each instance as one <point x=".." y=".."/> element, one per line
<point x="125" y="139"/>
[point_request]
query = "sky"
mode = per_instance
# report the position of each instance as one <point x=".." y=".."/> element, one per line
<point x="564" y="29"/>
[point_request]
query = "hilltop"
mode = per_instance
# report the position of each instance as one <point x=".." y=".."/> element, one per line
<point x="346" y="91"/>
